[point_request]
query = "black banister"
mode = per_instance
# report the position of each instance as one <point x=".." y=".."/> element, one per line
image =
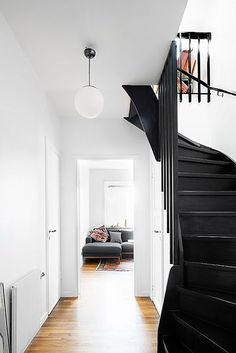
<point x="203" y="83"/>
<point x="168" y="146"/>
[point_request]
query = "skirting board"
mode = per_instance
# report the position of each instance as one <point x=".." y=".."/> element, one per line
<point x="142" y="295"/>
<point x="43" y="318"/>
<point x="68" y="294"/>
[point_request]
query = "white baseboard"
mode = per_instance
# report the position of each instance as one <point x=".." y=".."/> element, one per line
<point x="43" y="318"/>
<point x="142" y="294"/>
<point x="68" y="294"/>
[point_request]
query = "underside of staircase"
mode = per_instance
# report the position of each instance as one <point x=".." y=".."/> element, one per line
<point x="199" y="312"/>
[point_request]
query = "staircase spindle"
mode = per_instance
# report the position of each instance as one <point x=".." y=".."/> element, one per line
<point x="208" y="69"/>
<point x="180" y="63"/>
<point x="189" y="69"/>
<point x="199" y="68"/>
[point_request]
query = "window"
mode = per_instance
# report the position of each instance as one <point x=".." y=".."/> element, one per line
<point x="119" y="203"/>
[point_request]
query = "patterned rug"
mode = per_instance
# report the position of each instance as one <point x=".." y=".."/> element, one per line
<point x="114" y="265"/>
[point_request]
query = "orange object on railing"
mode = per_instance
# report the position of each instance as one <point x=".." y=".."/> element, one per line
<point x="185" y="66"/>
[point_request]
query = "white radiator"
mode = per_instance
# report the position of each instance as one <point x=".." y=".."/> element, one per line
<point x="26" y="310"/>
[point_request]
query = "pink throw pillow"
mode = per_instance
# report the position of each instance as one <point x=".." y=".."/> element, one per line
<point x="99" y="235"/>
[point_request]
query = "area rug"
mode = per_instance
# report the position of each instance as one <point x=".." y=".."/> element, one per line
<point x="114" y="265"/>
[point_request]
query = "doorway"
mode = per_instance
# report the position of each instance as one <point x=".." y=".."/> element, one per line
<point x="106" y="203"/>
<point x="52" y="226"/>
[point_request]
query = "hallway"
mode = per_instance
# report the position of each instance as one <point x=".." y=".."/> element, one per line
<point x="106" y="318"/>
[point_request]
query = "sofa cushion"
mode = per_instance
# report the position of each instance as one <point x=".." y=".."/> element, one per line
<point x="115" y="237"/>
<point x="101" y="250"/>
<point x="99" y="235"/>
<point x="127" y="247"/>
<point x="127" y="235"/>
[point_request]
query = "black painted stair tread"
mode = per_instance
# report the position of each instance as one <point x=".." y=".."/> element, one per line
<point x="206" y="181"/>
<point x="217" y="249"/>
<point x="214" y="266"/>
<point x="208" y="213"/>
<point x="207" y="200"/>
<point x="203" y="222"/>
<point x="207" y="193"/>
<point x="171" y="345"/>
<point x="198" y="148"/>
<point x="225" y="298"/>
<point x="203" y="336"/>
<point x="211" y="236"/>
<point x="215" y="310"/>
<point x="203" y="161"/>
<point x="188" y="141"/>
<point x="206" y="175"/>
<point x="205" y="276"/>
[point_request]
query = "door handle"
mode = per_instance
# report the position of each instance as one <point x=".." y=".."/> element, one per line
<point x="51" y="231"/>
<point x="157" y="231"/>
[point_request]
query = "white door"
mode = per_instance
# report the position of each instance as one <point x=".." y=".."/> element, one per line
<point x="52" y="226"/>
<point x="156" y="235"/>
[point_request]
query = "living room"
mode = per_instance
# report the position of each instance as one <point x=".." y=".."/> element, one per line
<point x="105" y="214"/>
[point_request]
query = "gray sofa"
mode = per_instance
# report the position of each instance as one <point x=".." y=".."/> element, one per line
<point x="93" y="249"/>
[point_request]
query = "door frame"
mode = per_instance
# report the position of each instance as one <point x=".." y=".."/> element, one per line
<point x="49" y="145"/>
<point x="82" y="157"/>
<point x="153" y="169"/>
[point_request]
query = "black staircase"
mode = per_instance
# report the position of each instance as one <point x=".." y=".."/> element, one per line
<point x="199" y="312"/>
<point x="199" y="185"/>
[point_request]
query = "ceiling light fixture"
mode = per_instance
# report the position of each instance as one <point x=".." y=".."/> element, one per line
<point x="88" y="99"/>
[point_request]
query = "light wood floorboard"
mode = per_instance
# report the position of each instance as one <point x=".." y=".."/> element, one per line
<point x="107" y="318"/>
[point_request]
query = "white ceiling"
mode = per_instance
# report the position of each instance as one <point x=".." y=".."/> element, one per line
<point x="131" y="38"/>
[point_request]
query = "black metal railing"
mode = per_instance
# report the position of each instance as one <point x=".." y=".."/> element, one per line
<point x="168" y="144"/>
<point x="194" y="38"/>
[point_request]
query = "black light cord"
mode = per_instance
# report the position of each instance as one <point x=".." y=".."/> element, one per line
<point x="89" y="71"/>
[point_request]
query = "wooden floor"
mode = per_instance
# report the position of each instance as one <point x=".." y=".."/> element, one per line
<point x="107" y="318"/>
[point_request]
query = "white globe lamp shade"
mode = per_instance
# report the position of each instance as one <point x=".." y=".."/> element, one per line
<point x="89" y="102"/>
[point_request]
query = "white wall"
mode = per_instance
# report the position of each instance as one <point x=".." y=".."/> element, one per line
<point x="97" y="195"/>
<point x="215" y="123"/>
<point x="26" y="119"/>
<point x="103" y="138"/>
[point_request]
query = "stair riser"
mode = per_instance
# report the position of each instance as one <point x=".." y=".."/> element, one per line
<point x="193" y="341"/>
<point x="213" y="251"/>
<point x="208" y="278"/>
<point x="210" y="184"/>
<point x="187" y="166"/>
<point x="216" y="312"/>
<point x="185" y="152"/>
<point x="207" y="203"/>
<point x="208" y="224"/>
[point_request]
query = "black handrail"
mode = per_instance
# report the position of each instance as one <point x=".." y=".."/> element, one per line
<point x="203" y="83"/>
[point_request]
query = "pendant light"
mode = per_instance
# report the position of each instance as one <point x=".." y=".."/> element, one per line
<point x="88" y="99"/>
